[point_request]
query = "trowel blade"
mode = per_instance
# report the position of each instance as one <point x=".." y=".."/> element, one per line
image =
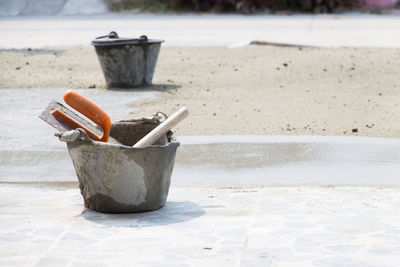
<point x="62" y="127"/>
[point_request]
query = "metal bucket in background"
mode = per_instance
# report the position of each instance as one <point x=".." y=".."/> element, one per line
<point x="127" y="62"/>
<point x="121" y="179"/>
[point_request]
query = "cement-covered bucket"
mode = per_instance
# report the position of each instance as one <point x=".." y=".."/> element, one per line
<point x="116" y="178"/>
<point x="127" y="62"/>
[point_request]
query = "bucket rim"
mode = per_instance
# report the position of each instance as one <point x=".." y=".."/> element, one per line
<point x="98" y="143"/>
<point x="113" y="38"/>
<point x="124" y="41"/>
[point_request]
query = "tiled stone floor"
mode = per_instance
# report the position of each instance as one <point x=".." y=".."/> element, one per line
<point x="204" y="226"/>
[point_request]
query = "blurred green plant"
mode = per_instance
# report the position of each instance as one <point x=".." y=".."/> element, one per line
<point x="242" y="6"/>
<point x="140" y="5"/>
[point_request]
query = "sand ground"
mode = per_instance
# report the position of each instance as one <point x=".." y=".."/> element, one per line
<point x="251" y="90"/>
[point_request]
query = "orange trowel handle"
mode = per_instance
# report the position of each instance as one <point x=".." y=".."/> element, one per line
<point x="89" y="109"/>
<point x="73" y="123"/>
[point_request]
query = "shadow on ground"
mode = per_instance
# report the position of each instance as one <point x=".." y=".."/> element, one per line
<point x="171" y="213"/>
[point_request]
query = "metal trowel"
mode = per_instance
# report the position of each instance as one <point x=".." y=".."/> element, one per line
<point x="64" y="119"/>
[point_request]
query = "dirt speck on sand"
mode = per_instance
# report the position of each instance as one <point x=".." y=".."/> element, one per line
<point x="252" y="90"/>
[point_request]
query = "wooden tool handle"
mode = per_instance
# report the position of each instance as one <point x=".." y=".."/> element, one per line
<point x="89" y="109"/>
<point x="164" y="127"/>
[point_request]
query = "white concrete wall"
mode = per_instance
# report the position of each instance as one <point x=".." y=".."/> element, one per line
<point x="51" y="7"/>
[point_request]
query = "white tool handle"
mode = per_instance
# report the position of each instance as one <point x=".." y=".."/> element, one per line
<point x="164" y="127"/>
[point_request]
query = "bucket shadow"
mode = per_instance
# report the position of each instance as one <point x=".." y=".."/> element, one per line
<point x="171" y="213"/>
<point x="148" y="88"/>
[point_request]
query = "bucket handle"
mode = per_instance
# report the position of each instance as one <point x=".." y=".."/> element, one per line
<point x="111" y="35"/>
<point x="114" y="35"/>
<point x="73" y="135"/>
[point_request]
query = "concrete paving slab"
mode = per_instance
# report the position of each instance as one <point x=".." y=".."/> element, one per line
<point x="235" y="200"/>
<point x="276" y="161"/>
<point x="33" y="154"/>
<point x="346" y="30"/>
<point x="275" y="226"/>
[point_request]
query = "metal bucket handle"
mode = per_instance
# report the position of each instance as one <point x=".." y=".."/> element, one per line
<point x="114" y="35"/>
<point x="73" y="135"/>
<point x="111" y="35"/>
<point x="159" y="116"/>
